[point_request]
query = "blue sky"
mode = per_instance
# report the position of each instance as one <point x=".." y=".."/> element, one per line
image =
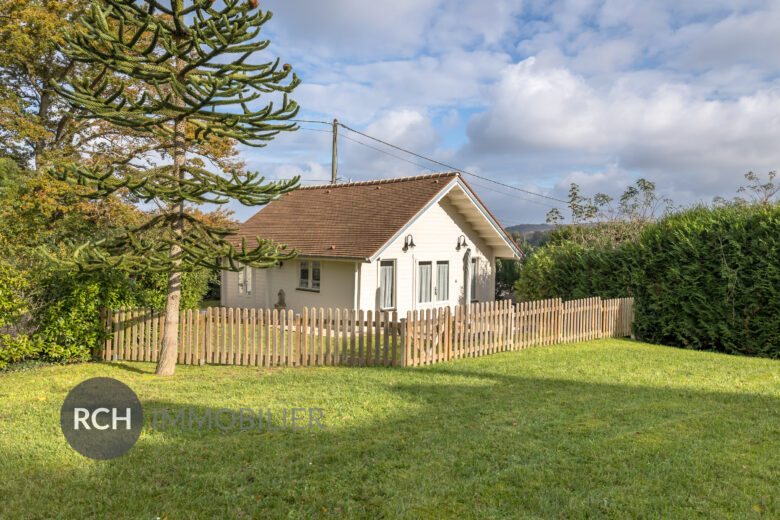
<point x="535" y="94"/>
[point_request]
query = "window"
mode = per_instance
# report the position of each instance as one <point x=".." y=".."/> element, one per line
<point x="315" y="276"/>
<point x="473" y="290"/>
<point x="424" y="282"/>
<point x="386" y="284"/>
<point x="304" y="279"/>
<point x="245" y="280"/>
<point x="309" y="275"/>
<point x="442" y="281"/>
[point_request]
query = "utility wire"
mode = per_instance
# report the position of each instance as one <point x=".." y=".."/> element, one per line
<point x="546" y="204"/>
<point x="309" y="121"/>
<point x="387" y="153"/>
<point x="315" y="130"/>
<point x="450" y="167"/>
<point x="431" y="169"/>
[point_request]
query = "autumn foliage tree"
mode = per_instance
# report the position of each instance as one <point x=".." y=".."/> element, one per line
<point x="179" y="72"/>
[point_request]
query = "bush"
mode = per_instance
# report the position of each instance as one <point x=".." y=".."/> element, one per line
<point x="570" y="271"/>
<point x="55" y="315"/>
<point x="710" y="279"/>
<point x="703" y="279"/>
<point x="68" y="312"/>
<point x="17" y="347"/>
<point x="52" y="314"/>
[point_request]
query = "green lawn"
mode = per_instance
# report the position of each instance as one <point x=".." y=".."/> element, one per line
<point x="609" y="428"/>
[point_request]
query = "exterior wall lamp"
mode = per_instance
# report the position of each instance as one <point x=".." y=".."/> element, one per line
<point x="408" y="242"/>
<point x="461" y="242"/>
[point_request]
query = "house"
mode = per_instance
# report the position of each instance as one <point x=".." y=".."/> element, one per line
<point x="396" y="244"/>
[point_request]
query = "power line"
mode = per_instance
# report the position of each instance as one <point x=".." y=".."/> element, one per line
<point x="513" y="196"/>
<point x="315" y="130"/>
<point x="387" y="153"/>
<point x="450" y="167"/>
<point x="309" y="121"/>
<point x="431" y="169"/>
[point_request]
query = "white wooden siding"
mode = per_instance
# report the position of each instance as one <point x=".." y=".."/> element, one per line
<point x="336" y="287"/>
<point x="435" y="235"/>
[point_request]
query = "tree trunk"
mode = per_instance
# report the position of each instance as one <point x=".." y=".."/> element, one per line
<point x="166" y="363"/>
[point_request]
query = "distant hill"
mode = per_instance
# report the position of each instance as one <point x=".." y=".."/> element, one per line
<point x="533" y="234"/>
<point x="525" y="228"/>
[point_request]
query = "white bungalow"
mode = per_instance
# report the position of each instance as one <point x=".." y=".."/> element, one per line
<point x="396" y="244"/>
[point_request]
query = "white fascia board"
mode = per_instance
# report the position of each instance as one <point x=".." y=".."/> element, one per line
<point x="494" y="224"/>
<point x="401" y="231"/>
<point x="443" y="193"/>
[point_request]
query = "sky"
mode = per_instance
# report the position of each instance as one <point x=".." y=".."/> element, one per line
<point x="534" y="94"/>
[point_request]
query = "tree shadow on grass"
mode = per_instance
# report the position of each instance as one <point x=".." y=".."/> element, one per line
<point x="481" y="446"/>
<point x="123" y="366"/>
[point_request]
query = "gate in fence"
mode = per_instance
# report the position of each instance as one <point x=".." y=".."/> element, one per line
<point x="322" y="337"/>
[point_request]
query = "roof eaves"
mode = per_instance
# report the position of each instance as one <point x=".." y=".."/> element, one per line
<point x="438" y="196"/>
<point x="494" y="220"/>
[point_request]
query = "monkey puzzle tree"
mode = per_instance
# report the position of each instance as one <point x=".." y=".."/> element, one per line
<point x="181" y="74"/>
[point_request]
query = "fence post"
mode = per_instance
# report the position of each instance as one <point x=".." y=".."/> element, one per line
<point x="105" y="319"/>
<point x="402" y="357"/>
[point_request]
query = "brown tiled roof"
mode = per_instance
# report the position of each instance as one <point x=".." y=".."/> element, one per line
<point x="351" y="220"/>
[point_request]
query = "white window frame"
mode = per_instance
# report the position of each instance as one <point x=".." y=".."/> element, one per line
<point x="245" y="280"/>
<point x="310" y="266"/>
<point x="393" y="287"/>
<point x="418" y="296"/>
<point x="437" y="290"/>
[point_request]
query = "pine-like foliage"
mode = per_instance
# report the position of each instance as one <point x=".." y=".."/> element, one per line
<point x="710" y="279"/>
<point x="192" y="60"/>
<point x="179" y="73"/>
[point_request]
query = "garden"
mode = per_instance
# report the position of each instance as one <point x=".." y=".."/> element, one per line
<point x="602" y="429"/>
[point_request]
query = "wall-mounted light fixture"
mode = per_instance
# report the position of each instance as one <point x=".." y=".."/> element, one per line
<point x="408" y="242"/>
<point x="461" y="242"/>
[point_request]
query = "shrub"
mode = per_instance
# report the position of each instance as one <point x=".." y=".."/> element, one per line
<point x="570" y="271"/>
<point x="52" y="314"/>
<point x="68" y="309"/>
<point x="710" y="279"/>
<point x="705" y="278"/>
<point x="17" y="347"/>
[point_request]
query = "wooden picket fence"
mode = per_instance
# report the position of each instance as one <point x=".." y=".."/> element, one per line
<point x="321" y="337"/>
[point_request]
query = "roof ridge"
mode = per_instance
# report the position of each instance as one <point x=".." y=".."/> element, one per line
<point x="382" y="181"/>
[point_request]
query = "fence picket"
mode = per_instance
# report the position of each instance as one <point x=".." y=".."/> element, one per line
<point x="114" y="335"/>
<point x="320" y="337"/>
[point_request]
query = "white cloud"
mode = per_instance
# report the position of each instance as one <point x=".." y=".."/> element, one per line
<point x="352" y="28"/>
<point x="671" y="131"/>
<point x="404" y="128"/>
<point x="426" y="83"/>
<point x="684" y="93"/>
<point x="746" y="38"/>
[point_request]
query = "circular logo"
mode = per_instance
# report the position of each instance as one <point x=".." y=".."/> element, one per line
<point x="101" y="418"/>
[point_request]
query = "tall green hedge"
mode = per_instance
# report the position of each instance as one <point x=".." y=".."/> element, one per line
<point x="571" y="271"/>
<point x="710" y="279"/>
<point x="705" y="278"/>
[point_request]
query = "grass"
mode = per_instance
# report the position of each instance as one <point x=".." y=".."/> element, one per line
<point x="604" y="429"/>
